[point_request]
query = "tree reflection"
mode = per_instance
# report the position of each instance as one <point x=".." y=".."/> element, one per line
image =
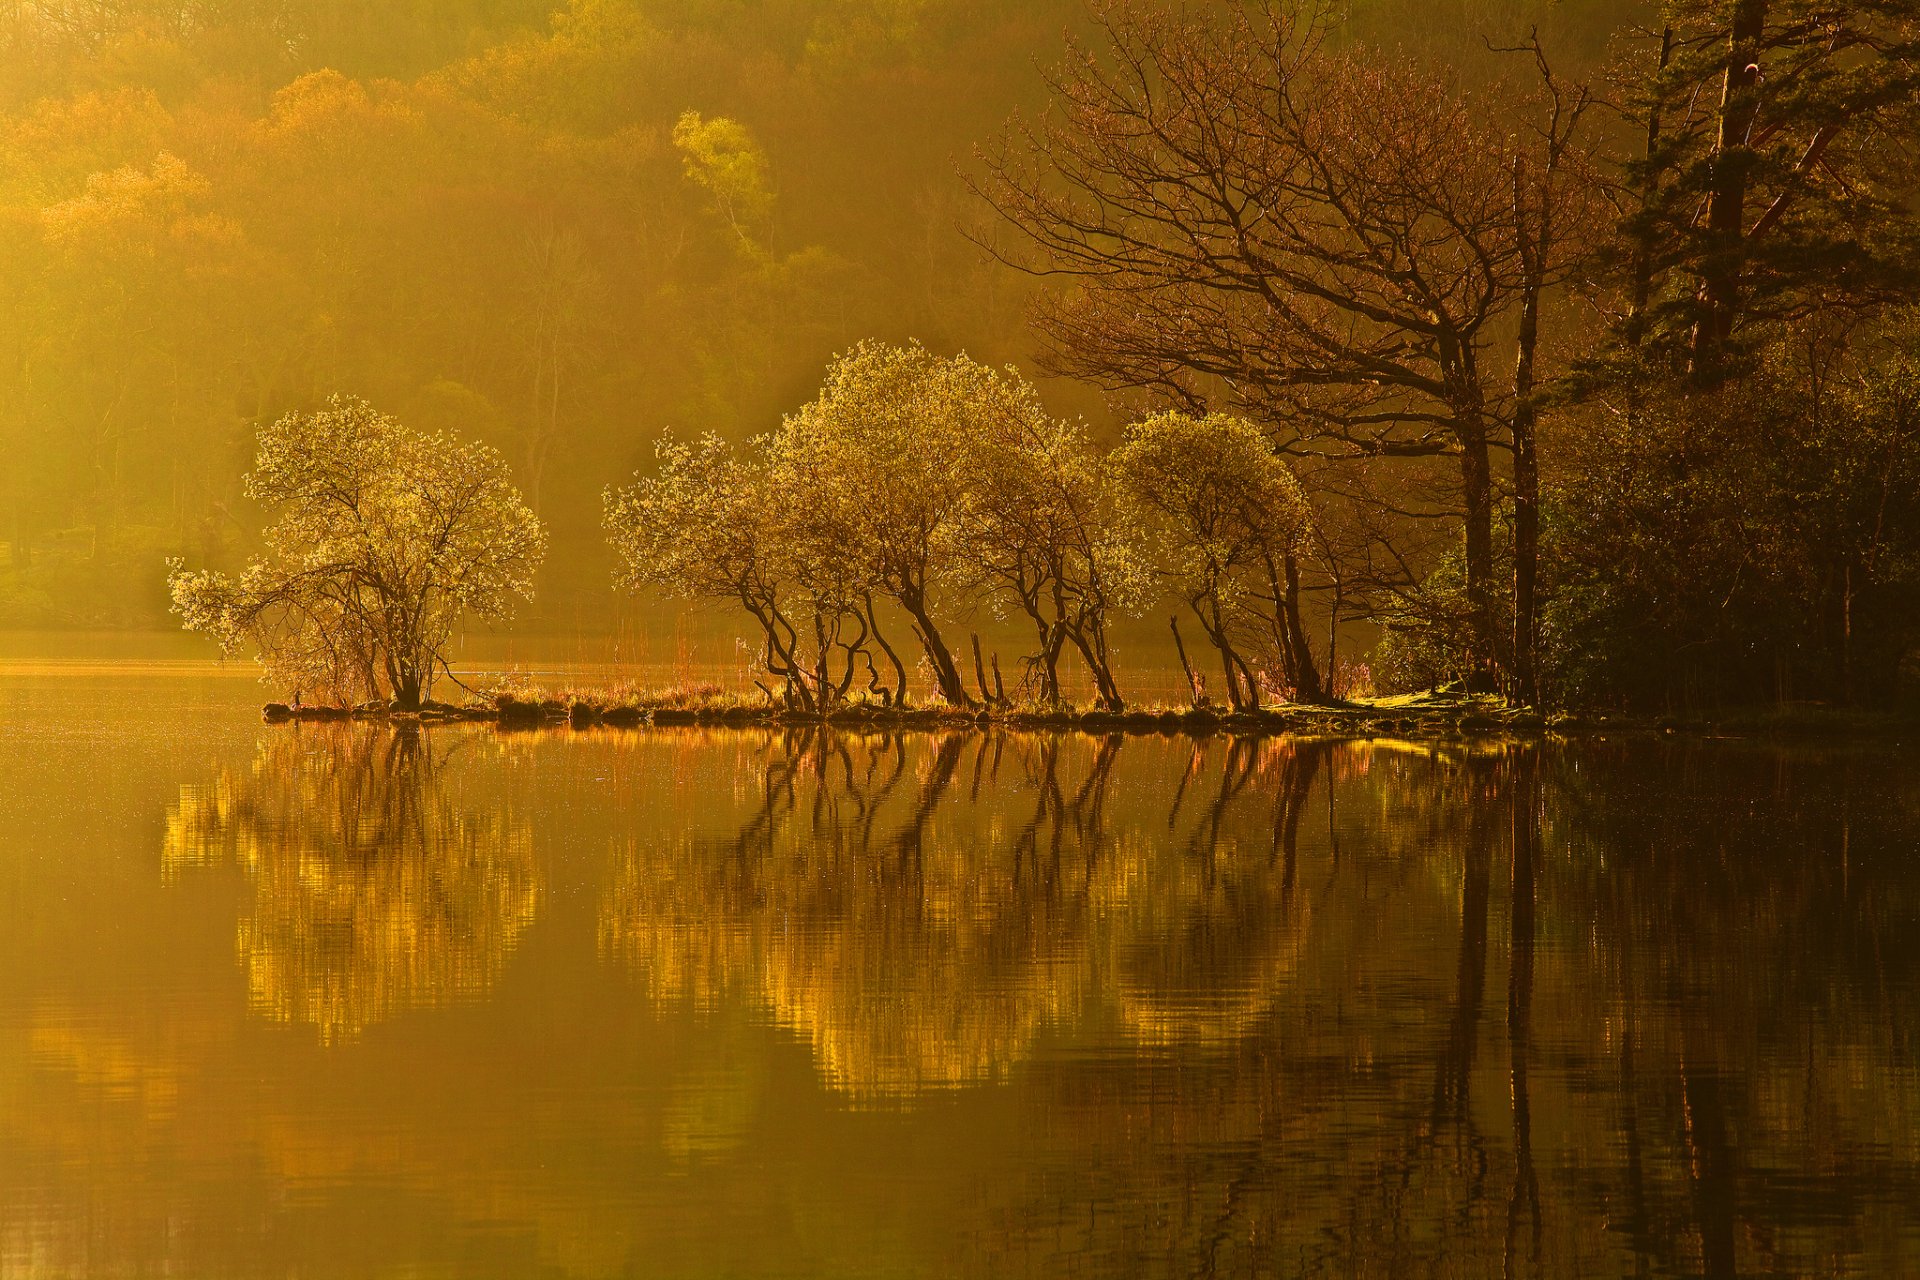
<point x="1707" y="1046"/>
<point x="1523" y="1202"/>
<point x="1243" y="998"/>
<point x="378" y="886"/>
<point x="884" y="902"/>
<point x="865" y="909"/>
<point x="1757" y="942"/>
<point x="1204" y="930"/>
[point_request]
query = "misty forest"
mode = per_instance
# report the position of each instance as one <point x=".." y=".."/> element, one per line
<point x="959" y="638"/>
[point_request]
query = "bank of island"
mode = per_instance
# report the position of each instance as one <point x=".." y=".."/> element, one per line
<point x="1433" y="715"/>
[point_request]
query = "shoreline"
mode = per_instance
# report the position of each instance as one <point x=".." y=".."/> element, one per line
<point x="1384" y="718"/>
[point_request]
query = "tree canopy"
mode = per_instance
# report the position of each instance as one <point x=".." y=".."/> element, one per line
<point x="386" y="541"/>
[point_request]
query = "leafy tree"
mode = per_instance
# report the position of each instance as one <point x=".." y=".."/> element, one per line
<point x="1226" y="522"/>
<point x="699" y="528"/>
<point x="911" y="475"/>
<point x="881" y="456"/>
<point x="722" y="158"/>
<point x="386" y="541"/>
<point x="1044" y="537"/>
<point x="712" y="525"/>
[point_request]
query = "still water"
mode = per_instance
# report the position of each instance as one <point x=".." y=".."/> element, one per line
<point x="344" y="1001"/>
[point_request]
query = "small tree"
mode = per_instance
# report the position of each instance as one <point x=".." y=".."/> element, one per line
<point x="1225" y="520"/>
<point x="831" y="583"/>
<point x="710" y="525"/>
<point x="880" y="456"/>
<point x="386" y="540"/>
<point x="1042" y="537"/>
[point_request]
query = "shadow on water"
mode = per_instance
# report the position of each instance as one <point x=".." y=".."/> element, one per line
<point x="1242" y="995"/>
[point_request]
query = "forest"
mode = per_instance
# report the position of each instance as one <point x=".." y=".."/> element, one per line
<point x="1560" y="351"/>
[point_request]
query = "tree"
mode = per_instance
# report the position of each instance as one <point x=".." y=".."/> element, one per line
<point x="909" y="476"/>
<point x="386" y="541"/>
<point x="721" y="157"/>
<point x="713" y="525"/>
<point x="1785" y="196"/>
<point x="1313" y="238"/>
<point x="1554" y="217"/>
<point x="1227" y="522"/>
<point x="1042" y="535"/>
<point x="881" y="455"/>
<point x="1328" y="240"/>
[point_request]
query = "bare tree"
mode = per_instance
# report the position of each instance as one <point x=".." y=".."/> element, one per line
<point x="1328" y="241"/>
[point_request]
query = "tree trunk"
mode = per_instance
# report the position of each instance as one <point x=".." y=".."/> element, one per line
<point x="1526" y="562"/>
<point x="1180" y="647"/>
<point x="1051" y="635"/>
<point x="1106" y="688"/>
<point x="1216" y="629"/>
<point x="899" y="668"/>
<point x="1091" y="641"/>
<point x="1526" y="466"/>
<point x="1636" y="329"/>
<point x="1333" y="641"/>
<point x="1476" y="491"/>
<point x="1251" y="685"/>
<point x="1227" y="664"/>
<point x="781" y="660"/>
<point x="980" y="670"/>
<point x="946" y="673"/>
<point x="1306" y="676"/>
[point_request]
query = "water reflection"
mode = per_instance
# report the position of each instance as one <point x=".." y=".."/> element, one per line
<point x="914" y="945"/>
<point x="1005" y="1004"/>
<point x="380" y="883"/>
<point x="1345" y="1002"/>
<point x="1707" y="1070"/>
<point x="923" y="912"/>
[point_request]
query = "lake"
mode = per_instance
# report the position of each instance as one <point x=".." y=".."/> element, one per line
<point x="349" y="1000"/>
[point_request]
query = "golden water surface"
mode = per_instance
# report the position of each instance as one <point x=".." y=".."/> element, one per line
<point x="364" y="1001"/>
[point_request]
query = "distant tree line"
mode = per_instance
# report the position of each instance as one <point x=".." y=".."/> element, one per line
<point x="551" y="227"/>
